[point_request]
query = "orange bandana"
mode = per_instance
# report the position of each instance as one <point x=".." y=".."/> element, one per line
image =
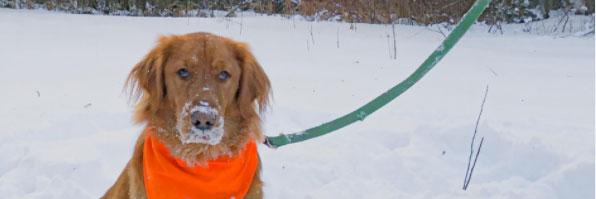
<point x="167" y="177"/>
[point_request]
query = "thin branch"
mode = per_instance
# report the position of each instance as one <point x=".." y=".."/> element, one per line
<point x="474" y="165"/>
<point x="232" y="11"/>
<point x="241" y="22"/>
<point x="493" y="71"/>
<point x="389" y="46"/>
<point x="438" y="30"/>
<point x="468" y="170"/>
<point x="449" y="5"/>
<point x="307" y="45"/>
<point x="394" y="42"/>
<point x="312" y="36"/>
<point x="337" y="42"/>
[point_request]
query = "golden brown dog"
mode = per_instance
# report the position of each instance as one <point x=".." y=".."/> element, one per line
<point x="202" y="94"/>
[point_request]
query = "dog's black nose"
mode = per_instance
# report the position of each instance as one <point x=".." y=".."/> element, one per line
<point x="203" y="120"/>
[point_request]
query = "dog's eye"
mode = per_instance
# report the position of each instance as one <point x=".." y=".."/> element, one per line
<point x="224" y="75"/>
<point x="183" y="73"/>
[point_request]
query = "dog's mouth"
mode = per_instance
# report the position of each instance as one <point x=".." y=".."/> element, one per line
<point x="211" y="137"/>
<point x="192" y="131"/>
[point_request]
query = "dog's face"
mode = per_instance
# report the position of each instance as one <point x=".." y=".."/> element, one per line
<point x="204" y="87"/>
<point x="202" y="79"/>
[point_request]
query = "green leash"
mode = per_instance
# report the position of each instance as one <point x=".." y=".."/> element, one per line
<point x="359" y="114"/>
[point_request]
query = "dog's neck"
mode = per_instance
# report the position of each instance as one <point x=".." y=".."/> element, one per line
<point x="197" y="153"/>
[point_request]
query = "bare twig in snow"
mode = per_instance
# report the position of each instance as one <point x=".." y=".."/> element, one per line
<point x="467" y="183"/>
<point x="232" y="11"/>
<point x="497" y="27"/>
<point x="493" y="71"/>
<point x="587" y="33"/>
<point x="562" y="23"/>
<point x="307" y="45"/>
<point x="337" y="37"/>
<point x="394" y="42"/>
<point x="388" y="46"/>
<point x="438" y="30"/>
<point x="471" y="165"/>
<point x="241" y="22"/>
<point x="312" y="36"/>
<point x="353" y="27"/>
<point x="186" y="12"/>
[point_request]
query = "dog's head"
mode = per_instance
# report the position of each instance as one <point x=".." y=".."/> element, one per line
<point x="202" y="88"/>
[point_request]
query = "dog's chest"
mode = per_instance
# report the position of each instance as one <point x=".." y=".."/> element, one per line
<point x="168" y="177"/>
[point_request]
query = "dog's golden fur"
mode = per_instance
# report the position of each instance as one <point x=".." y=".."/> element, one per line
<point x="163" y="94"/>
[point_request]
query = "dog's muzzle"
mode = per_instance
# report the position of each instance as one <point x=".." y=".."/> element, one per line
<point x="207" y="126"/>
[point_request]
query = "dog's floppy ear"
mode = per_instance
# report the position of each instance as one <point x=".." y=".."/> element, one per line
<point x="146" y="80"/>
<point x="254" y="88"/>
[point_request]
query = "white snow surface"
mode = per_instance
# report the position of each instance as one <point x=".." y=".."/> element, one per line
<point x="65" y="128"/>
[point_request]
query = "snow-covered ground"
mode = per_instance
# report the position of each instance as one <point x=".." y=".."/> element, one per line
<point x="65" y="129"/>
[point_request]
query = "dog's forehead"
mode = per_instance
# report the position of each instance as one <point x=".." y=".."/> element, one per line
<point x="204" y="49"/>
<point x="198" y="52"/>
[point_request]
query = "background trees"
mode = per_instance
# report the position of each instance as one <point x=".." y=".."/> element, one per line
<point x="356" y="11"/>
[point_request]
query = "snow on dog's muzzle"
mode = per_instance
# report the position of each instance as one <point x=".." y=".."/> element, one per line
<point x="206" y="125"/>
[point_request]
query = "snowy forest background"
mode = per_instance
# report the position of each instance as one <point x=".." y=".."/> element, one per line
<point x="354" y="11"/>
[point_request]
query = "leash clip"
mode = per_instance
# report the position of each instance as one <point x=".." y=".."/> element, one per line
<point x="267" y="142"/>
